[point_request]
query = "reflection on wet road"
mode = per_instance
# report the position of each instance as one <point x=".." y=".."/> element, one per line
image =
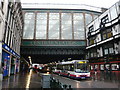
<point x="32" y="80"/>
<point x="94" y="82"/>
<point x="22" y="80"/>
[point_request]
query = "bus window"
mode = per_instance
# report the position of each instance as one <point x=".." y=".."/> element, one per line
<point x="71" y="67"/>
<point x="82" y="67"/>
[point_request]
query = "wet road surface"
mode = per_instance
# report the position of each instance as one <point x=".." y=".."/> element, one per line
<point x="90" y="83"/>
<point x="32" y="80"/>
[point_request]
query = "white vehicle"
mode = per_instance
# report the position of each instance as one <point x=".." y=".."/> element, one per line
<point x="78" y="69"/>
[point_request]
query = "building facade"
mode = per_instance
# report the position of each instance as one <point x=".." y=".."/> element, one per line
<point x="55" y="32"/>
<point x="103" y="40"/>
<point x="11" y="31"/>
<point x="1" y="35"/>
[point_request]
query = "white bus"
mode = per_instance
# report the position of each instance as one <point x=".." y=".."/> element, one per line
<point x="78" y="69"/>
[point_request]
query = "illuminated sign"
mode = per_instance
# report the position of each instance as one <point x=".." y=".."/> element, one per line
<point x="10" y="50"/>
<point x="82" y="62"/>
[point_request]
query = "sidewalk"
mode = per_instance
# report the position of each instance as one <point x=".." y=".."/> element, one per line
<point x="22" y="80"/>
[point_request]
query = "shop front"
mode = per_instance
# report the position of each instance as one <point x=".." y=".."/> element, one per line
<point x="10" y="61"/>
<point x="13" y="59"/>
<point x="5" y="63"/>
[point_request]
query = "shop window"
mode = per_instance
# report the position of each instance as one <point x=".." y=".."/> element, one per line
<point x="114" y="66"/>
<point x="91" y="68"/>
<point x="111" y="50"/>
<point x="96" y="66"/>
<point x="101" y="67"/>
<point x="107" y="66"/>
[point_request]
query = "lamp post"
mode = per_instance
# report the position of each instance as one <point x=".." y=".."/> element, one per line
<point x="30" y="60"/>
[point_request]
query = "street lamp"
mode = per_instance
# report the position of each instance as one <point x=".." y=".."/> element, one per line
<point x="30" y="60"/>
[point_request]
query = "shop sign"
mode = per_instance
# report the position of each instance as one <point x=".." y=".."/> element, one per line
<point x="9" y="50"/>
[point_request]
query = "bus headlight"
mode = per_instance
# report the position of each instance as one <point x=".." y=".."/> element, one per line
<point x="77" y="75"/>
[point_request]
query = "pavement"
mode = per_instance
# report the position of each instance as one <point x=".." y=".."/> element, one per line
<point x="22" y="80"/>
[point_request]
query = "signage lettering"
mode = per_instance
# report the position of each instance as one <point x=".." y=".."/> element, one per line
<point x="9" y="50"/>
<point x="53" y="43"/>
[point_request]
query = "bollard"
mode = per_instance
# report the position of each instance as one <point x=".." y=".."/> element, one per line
<point x="45" y="80"/>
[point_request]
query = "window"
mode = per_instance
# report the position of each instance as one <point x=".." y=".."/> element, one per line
<point x="105" y="19"/>
<point x="111" y="50"/>
<point x="113" y="12"/>
<point x="91" y="67"/>
<point x="106" y="51"/>
<point x="107" y="34"/>
<point x="41" y="26"/>
<point x="78" y="25"/>
<point x="96" y="66"/>
<point x="91" y="28"/>
<point x="114" y="66"/>
<point x="66" y="26"/>
<point x="93" y="53"/>
<point x="92" y="40"/>
<point x="101" y="67"/>
<point x="54" y="24"/>
<point x="88" y="18"/>
<point x="107" y="66"/>
<point x="104" y="36"/>
<point x="29" y="25"/>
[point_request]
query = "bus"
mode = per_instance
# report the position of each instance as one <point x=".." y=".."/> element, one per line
<point x="77" y="69"/>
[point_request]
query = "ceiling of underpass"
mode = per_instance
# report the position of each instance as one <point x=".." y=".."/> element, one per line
<point x="52" y="51"/>
<point x="42" y="59"/>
